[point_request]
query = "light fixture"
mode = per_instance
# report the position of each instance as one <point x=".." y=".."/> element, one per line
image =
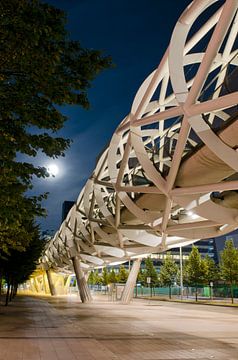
<point x="221" y="228"/>
<point x="192" y="215"/>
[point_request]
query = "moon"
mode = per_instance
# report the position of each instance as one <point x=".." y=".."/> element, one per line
<point x="53" y="169"/>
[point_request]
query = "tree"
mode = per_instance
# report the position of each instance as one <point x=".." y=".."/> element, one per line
<point x="41" y="69"/>
<point x="112" y="277"/>
<point x="105" y="276"/>
<point x="168" y="272"/>
<point x="97" y="278"/>
<point x="17" y="268"/>
<point x="196" y="269"/>
<point x="150" y="272"/>
<point x="229" y="265"/>
<point x="91" y="278"/>
<point x="211" y="272"/>
<point x="141" y="277"/>
<point x="15" y="213"/>
<point x="123" y="274"/>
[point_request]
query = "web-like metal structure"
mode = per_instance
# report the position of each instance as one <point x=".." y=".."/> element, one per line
<point x="169" y="175"/>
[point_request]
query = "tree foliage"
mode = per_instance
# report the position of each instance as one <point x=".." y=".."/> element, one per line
<point x="41" y="70"/>
<point x="112" y="277"/>
<point x="196" y="269"/>
<point x="95" y="278"/>
<point x="229" y="265"/>
<point x="123" y="274"/>
<point x="212" y="271"/>
<point x="91" y="278"/>
<point x="168" y="272"/>
<point x="17" y="267"/>
<point x="16" y="211"/>
<point x="141" y="277"/>
<point x="150" y="272"/>
<point x="105" y="276"/>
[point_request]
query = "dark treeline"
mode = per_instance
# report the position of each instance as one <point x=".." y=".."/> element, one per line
<point x="18" y="266"/>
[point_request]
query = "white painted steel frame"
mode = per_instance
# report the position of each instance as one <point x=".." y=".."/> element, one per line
<point x="115" y="218"/>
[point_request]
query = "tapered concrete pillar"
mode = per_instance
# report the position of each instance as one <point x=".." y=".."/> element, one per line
<point x="50" y="283"/>
<point x="38" y="290"/>
<point x="84" y="291"/>
<point x="127" y="294"/>
<point x="86" y="275"/>
<point x="44" y="284"/>
<point x="34" y="285"/>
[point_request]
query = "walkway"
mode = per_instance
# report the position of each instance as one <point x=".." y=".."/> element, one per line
<point x="34" y="328"/>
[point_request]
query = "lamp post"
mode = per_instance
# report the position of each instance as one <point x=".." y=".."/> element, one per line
<point x="181" y="272"/>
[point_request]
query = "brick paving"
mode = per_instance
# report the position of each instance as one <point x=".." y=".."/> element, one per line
<point x="61" y="328"/>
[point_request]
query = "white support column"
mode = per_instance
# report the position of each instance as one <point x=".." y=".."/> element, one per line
<point x="84" y="291"/>
<point x="36" y="284"/>
<point x="86" y="275"/>
<point x="127" y="294"/>
<point x="50" y="283"/>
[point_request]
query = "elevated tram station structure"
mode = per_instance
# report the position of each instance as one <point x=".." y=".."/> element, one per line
<point x="169" y="175"/>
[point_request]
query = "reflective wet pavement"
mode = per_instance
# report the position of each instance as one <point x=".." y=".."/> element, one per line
<point x="34" y="328"/>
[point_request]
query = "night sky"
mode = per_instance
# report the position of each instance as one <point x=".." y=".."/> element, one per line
<point x="136" y="35"/>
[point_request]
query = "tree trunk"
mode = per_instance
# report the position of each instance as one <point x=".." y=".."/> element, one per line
<point x="7" y="295"/>
<point x="15" y="290"/>
<point x="170" y="295"/>
<point x="196" y="294"/>
<point x="11" y="292"/>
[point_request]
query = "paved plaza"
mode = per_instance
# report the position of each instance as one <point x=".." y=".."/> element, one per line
<point x="34" y="328"/>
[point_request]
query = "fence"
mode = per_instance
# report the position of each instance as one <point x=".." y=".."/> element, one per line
<point x="114" y="291"/>
<point x="204" y="292"/>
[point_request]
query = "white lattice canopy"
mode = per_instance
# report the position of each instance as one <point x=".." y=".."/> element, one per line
<point x="169" y="175"/>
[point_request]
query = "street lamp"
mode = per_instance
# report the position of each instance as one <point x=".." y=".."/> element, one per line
<point x="181" y="272"/>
